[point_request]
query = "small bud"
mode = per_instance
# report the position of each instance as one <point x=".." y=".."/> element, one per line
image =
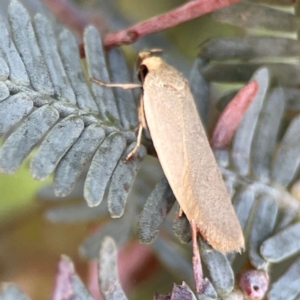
<point x="254" y="283"/>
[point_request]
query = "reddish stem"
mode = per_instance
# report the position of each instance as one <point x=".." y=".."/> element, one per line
<point x="232" y="115"/>
<point x="71" y="16"/>
<point x="188" y="11"/>
<point x="197" y="267"/>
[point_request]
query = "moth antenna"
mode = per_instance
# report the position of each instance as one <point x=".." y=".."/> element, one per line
<point x="156" y="50"/>
<point x="125" y="86"/>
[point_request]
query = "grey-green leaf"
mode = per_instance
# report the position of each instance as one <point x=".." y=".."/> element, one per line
<point x="4" y="70"/>
<point x="248" y="47"/>
<point x="122" y="180"/>
<point x="154" y="212"/>
<point x="282" y="245"/>
<point x="28" y="48"/>
<point x="287" y="158"/>
<point x="4" y="91"/>
<point x="110" y="286"/>
<point x="17" y="71"/>
<point x="75" y="213"/>
<point x="125" y="98"/>
<point x="13" y="110"/>
<point x="48" y="46"/>
<point x="242" y="141"/>
<point x="97" y="68"/>
<point x="282" y="73"/>
<point x="264" y="141"/>
<point x="219" y="269"/>
<point x="102" y="167"/>
<point x="200" y="88"/>
<point x="25" y="137"/>
<point x="243" y="201"/>
<point x="287" y="286"/>
<point x="182" y="227"/>
<point x="250" y="15"/>
<point x="71" y="60"/>
<point x="54" y="146"/>
<point x="262" y="227"/>
<point x="73" y="162"/>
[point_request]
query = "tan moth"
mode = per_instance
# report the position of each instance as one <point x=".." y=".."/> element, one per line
<point x="168" y="110"/>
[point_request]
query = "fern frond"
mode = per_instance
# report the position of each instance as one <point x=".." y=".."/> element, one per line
<point x="47" y="101"/>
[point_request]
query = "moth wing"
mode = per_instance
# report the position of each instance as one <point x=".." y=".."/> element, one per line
<point x="187" y="160"/>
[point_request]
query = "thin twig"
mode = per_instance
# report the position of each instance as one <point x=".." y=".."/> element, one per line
<point x="189" y="11"/>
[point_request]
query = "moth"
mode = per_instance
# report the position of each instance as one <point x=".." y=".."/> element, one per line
<point x="167" y="109"/>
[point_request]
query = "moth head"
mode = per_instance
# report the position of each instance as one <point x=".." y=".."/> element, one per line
<point x="148" y="60"/>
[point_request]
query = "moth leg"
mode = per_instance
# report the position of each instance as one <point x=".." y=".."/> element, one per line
<point x="141" y="113"/>
<point x="125" y="86"/>
<point x="197" y="267"/>
<point x="142" y="124"/>
<point x="138" y="143"/>
<point x="180" y="213"/>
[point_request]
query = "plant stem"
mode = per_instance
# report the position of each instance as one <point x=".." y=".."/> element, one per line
<point x="188" y="11"/>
